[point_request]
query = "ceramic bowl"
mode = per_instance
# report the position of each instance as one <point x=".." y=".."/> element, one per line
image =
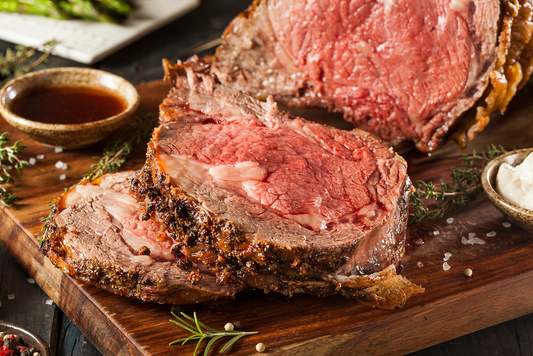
<point x="27" y="336"/>
<point x="69" y="136"/>
<point x="520" y="216"/>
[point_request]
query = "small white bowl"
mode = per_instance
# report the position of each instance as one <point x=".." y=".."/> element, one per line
<point x="522" y="217"/>
<point x="69" y="136"/>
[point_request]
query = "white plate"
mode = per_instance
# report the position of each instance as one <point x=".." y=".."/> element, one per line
<point x="89" y="42"/>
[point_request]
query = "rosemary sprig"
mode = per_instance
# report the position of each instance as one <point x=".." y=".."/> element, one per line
<point x="432" y="201"/>
<point x="194" y="326"/>
<point x="8" y="154"/>
<point x="22" y="60"/>
<point x="116" y="151"/>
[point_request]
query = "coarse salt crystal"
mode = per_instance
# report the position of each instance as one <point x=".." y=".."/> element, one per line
<point x="32" y="161"/>
<point x="11" y="296"/>
<point x="59" y="164"/>
<point x="478" y="241"/>
<point x="30" y="280"/>
<point x="64" y="166"/>
<point x="464" y="240"/>
<point x="447" y="256"/>
<point x="420" y="264"/>
<point x="445" y="266"/>
<point x="62" y="177"/>
<point x="49" y="302"/>
<point x="450" y="220"/>
<point x="436" y="232"/>
<point x="58" y="149"/>
<point x="491" y="234"/>
<point x="506" y="224"/>
<point x="9" y="168"/>
<point x="471" y="235"/>
<point x="40" y="156"/>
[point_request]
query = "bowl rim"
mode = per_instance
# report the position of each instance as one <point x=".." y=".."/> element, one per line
<point x="7" y="114"/>
<point x="488" y="185"/>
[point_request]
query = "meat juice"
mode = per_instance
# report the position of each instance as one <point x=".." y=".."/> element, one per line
<point x="67" y="105"/>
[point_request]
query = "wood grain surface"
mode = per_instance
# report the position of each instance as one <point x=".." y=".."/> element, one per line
<point x="452" y="305"/>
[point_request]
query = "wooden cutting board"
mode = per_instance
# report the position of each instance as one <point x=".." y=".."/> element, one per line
<point x="452" y="305"/>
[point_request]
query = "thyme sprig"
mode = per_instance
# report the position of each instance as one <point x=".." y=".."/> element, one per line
<point x="432" y="201"/>
<point x="22" y="60"/>
<point x="9" y="159"/>
<point x="116" y="151"/>
<point x="194" y="326"/>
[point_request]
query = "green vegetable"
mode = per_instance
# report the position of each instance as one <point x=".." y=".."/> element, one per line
<point x="37" y="7"/>
<point x="85" y="10"/>
<point x="93" y="10"/>
<point x="118" y="6"/>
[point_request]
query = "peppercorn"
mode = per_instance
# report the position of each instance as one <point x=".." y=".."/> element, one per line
<point x="468" y="272"/>
<point x="175" y="308"/>
<point x="260" y="347"/>
<point x="238" y="325"/>
<point x="9" y="342"/>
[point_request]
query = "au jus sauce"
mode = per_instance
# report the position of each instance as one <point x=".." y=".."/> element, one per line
<point x="67" y="105"/>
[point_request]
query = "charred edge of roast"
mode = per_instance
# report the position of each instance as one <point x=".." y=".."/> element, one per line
<point x="513" y="68"/>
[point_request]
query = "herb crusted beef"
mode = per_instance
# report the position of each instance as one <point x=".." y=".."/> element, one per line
<point x="271" y="201"/>
<point x="96" y="235"/>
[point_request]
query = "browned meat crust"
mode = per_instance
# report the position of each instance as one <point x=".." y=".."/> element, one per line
<point x="512" y="71"/>
<point x="83" y="240"/>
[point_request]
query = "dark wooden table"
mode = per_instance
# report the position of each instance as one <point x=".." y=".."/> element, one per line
<point x="141" y="62"/>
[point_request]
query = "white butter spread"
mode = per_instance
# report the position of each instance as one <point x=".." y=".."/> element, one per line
<point x="515" y="184"/>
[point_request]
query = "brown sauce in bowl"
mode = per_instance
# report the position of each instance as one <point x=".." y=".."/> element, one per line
<point x="67" y="105"/>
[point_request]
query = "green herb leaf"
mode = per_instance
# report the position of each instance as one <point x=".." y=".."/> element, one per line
<point x="209" y="333"/>
<point x="116" y="151"/>
<point x="432" y="201"/>
<point x="8" y="157"/>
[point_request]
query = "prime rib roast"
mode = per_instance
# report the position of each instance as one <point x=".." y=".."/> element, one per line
<point x="271" y="201"/>
<point x="403" y="70"/>
<point x="96" y="235"/>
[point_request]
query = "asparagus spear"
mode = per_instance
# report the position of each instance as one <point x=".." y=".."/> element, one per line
<point x="122" y="7"/>
<point x="37" y="7"/>
<point x="86" y="10"/>
<point x="94" y="10"/>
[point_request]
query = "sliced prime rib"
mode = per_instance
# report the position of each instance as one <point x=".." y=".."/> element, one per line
<point x="96" y="235"/>
<point x="273" y="201"/>
<point x="404" y="70"/>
